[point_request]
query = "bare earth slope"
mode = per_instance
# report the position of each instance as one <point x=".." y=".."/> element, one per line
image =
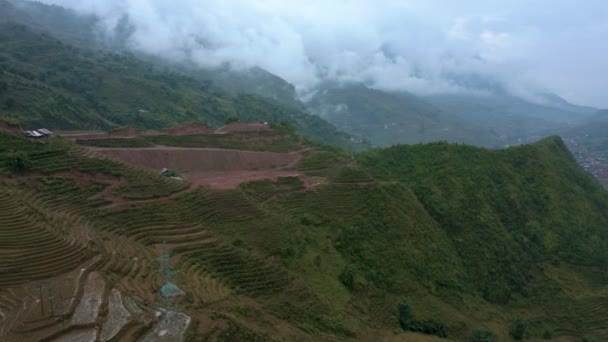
<point x="216" y="168"/>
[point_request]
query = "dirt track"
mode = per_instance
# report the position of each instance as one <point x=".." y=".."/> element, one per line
<point x="216" y="168"/>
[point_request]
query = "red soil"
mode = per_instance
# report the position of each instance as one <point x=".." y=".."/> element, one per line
<point x="243" y="127"/>
<point x="128" y="132"/>
<point x="5" y="127"/>
<point x="216" y="168"/>
<point x="87" y="136"/>
<point x="189" y="129"/>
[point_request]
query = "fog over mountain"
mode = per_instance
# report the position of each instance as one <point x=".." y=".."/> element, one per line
<point x="524" y="48"/>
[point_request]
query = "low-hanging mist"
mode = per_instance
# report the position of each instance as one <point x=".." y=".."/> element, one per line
<point x="425" y="47"/>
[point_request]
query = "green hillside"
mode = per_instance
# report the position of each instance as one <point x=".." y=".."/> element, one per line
<point x="454" y="237"/>
<point x="516" y="206"/>
<point x="44" y="82"/>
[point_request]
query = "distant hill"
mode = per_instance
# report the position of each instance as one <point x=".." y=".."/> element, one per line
<point x="387" y="118"/>
<point x="65" y="24"/>
<point x="510" y="118"/>
<point x="601" y="115"/>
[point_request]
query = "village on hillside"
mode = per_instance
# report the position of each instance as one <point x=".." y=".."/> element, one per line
<point x="593" y="161"/>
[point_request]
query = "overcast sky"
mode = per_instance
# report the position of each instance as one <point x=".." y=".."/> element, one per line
<point x="422" y="46"/>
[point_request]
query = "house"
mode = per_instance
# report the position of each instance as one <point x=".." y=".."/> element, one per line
<point x="168" y="173"/>
<point x="45" y="132"/>
<point x="33" y="134"/>
<point x="38" y="133"/>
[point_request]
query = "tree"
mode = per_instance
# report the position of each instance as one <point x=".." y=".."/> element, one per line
<point x="347" y="278"/>
<point x="9" y="103"/>
<point x="19" y="162"/>
<point x="518" y="330"/>
<point x="482" y="335"/>
<point x="231" y="119"/>
<point x="405" y="315"/>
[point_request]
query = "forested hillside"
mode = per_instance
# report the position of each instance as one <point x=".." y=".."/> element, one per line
<point x="515" y="207"/>
<point x="45" y="82"/>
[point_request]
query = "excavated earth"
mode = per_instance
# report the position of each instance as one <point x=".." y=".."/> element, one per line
<point x="212" y="167"/>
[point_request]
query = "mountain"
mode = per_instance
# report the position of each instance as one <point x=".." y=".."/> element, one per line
<point x="496" y="119"/>
<point x="446" y="240"/>
<point x="490" y="120"/>
<point x="60" y="22"/>
<point x="254" y="81"/>
<point x="512" y="119"/>
<point x="599" y="116"/>
<point x="389" y="118"/>
<point x="84" y="31"/>
<point x="45" y="82"/>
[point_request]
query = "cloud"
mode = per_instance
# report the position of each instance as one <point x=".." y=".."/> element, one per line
<point x="420" y="46"/>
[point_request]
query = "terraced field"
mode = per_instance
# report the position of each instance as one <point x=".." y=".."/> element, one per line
<point x="316" y="251"/>
<point x="31" y="248"/>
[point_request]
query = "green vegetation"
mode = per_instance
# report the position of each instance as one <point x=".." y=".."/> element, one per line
<point x="518" y="330"/>
<point x="436" y="239"/>
<point x="482" y="335"/>
<point x="46" y="82"/>
<point x="501" y="204"/>
<point x="428" y="327"/>
<point x="19" y="161"/>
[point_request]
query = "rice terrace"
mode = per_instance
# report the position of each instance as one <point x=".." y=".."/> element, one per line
<point x="246" y="234"/>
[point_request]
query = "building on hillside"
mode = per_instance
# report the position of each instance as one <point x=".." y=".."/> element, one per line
<point x="33" y="134"/>
<point x="38" y="133"/>
<point x="45" y="131"/>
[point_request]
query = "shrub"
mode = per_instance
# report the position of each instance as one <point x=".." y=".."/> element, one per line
<point x="19" y="161"/>
<point x="590" y="339"/>
<point x="231" y="119"/>
<point x="10" y="103"/>
<point x="347" y="277"/>
<point x="405" y="315"/>
<point x="428" y="326"/>
<point x="482" y="335"/>
<point x="518" y="330"/>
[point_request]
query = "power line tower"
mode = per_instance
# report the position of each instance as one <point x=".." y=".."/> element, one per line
<point x="165" y="264"/>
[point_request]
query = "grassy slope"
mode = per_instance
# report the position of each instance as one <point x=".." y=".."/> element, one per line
<point x="44" y="82"/>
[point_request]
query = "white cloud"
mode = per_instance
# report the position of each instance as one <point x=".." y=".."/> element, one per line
<point x="555" y="45"/>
